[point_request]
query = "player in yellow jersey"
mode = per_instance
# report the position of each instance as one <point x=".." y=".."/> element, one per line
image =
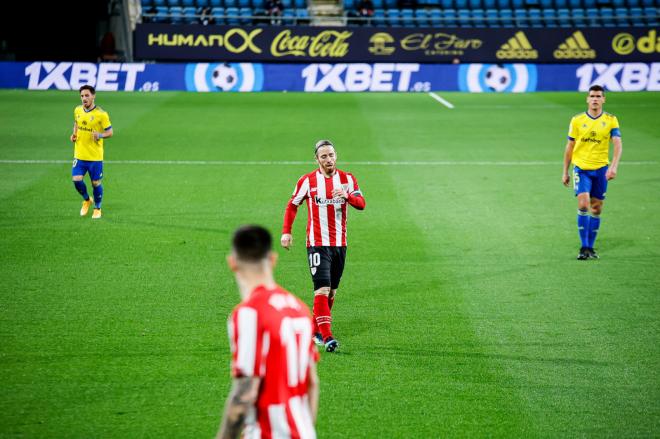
<point x="588" y="148"/>
<point x="90" y="126"/>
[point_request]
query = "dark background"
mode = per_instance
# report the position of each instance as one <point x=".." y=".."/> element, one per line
<point x="52" y="31"/>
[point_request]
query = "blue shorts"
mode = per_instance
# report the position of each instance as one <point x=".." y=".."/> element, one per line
<point x="81" y="167"/>
<point x="594" y="182"/>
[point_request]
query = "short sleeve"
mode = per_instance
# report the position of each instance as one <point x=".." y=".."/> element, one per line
<point x="300" y="191"/>
<point x="354" y="188"/>
<point x="106" y="124"/>
<point x="614" y="128"/>
<point x="572" y="130"/>
<point x="246" y="343"/>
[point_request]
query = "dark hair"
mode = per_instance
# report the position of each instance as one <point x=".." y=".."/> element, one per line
<point x="252" y="243"/>
<point x="597" y="88"/>
<point x="321" y="143"/>
<point x="87" y="87"/>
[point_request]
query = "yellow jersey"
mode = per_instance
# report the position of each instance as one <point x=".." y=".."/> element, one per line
<point x="592" y="139"/>
<point x="87" y="121"/>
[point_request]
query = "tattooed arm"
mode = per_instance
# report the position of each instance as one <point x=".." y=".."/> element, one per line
<point x="242" y="396"/>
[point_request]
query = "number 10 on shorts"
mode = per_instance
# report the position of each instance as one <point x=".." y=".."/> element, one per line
<point x="314" y="262"/>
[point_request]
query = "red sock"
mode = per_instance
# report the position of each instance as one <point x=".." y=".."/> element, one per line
<point x="322" y="315"/>
<point x="316" y="327"/>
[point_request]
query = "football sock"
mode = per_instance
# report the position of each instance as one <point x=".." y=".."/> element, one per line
<point x="322" y="315"/>
<point x="98" y="196"/>
<point x="316" y="327"/>
<point x="583" y="226"/>
<point x="81" y="188"/>
<point x="594" y="225"/>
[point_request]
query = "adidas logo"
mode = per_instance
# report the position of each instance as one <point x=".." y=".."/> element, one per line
<point x="518" y="47"/>
<point x="575" y="46"/>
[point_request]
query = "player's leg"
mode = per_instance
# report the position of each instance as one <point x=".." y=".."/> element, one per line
<point x="337" y="259"/>
<point x="582" y="187"/>
<point x="319" y="266"/>
<point x="78" y="172"/>
<point x="96" y="174"/>
<point x="336" y="271"/>
<point x="598" y="190"/>
<point x="331" y="298"/>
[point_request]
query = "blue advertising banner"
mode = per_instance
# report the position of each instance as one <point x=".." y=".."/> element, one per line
<point x="325" y="77"/>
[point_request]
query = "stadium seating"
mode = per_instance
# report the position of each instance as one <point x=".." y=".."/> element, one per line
<point x="449" y="17"/>
<point x="478" y="18"/>
<point x="421" y="17"/>
<point x="435" y="18"/>
<point x="506" y="17"/>
<point x="564" y="17"/>
<point x="434" y="13"/>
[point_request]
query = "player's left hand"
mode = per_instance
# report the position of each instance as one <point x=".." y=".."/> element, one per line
<point x="610" y="174"/>
<point x="339" y="193"/>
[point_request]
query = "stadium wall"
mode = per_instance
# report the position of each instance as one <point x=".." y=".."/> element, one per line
<point x="321" y="77"/>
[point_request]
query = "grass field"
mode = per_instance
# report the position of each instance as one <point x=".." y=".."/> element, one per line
<point x="462" y="311"/>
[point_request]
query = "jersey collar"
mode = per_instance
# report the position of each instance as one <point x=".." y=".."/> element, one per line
<point x="91" y="109"/>
<point x="593" y="118"/>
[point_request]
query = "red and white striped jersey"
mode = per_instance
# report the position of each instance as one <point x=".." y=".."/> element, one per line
<point x="326" y="219"/>
<point x="270" y="335"/>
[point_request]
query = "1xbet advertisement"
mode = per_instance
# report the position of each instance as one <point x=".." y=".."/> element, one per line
<point x="227" y="76"/>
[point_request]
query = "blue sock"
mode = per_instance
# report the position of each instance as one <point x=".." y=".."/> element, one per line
<point x="583" y="226"/>
<point x="594" y="225"/>
<point x="81" y="188"/>
<point x="98" y="196"/>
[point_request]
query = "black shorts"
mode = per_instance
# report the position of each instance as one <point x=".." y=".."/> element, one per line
<point x="326" y="264"/>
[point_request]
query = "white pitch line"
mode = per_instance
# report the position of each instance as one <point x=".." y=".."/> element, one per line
<point x="293" y="162"/>
<point x="441" y="100"/>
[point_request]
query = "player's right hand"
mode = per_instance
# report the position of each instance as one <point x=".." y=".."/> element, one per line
<point x="565" y="179"/>
<point x="286" y="240"/>
<point x="74" y="137"/>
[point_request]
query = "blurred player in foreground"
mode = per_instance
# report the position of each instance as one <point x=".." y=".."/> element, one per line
<point x="328" y="192"/>
<point x="588" y="145"/>
<point x="275" y="387"/>
<point x="90" y="126"/>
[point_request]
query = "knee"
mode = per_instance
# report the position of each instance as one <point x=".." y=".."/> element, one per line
<point x="332" y="294"/>
<point x="323" y="291"/>
<point x="96" y="183"/>
<point x="595" y="210"/>
<point x="583" y="205"/>
<point x="77" y="178"/>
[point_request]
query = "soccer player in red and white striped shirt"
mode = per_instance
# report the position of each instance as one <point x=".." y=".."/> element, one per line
<point x="275" y="386"/>
<point x="328" y="191"/>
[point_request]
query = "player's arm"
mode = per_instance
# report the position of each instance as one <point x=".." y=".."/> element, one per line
<point x="243" y="395"/>
<point x="354" y="199"/>
<point x="74" y="136"/>
<point x="289" y="217"/>
<point x="313" y="390"/>
<point x="106" y="134"/>
<point x="616" y="157"/>
<point x="568" y="156"/>
<point x="299" y="194"/>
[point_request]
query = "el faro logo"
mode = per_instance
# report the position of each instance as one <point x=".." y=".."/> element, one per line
<point x="378" y="44"/>
<point x="518" y="47"/>
<point x="625" y="44"/>
<point x="575" y="46"/>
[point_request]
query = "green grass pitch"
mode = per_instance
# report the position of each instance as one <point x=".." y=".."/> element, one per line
<point x="462" y="311"/>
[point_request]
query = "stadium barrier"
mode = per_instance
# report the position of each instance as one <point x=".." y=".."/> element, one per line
<point x="338" y="77"/>
<point x="165" y="42"/>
